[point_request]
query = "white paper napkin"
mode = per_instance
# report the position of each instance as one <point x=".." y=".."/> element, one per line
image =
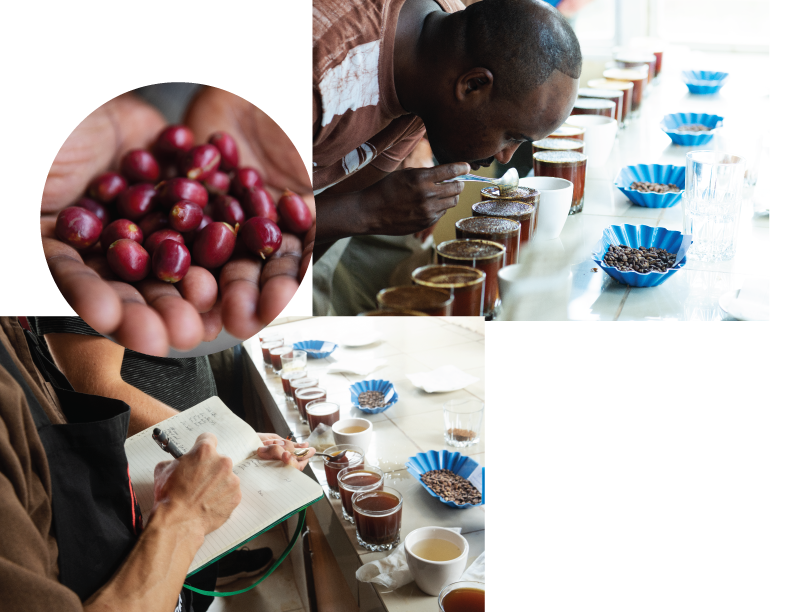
<point x="356" y="366"/>
<point x="475" y="571"/>
<point x="441" y="380"/>
<point x="752" y="303"/>
<point x="391" y="572"/>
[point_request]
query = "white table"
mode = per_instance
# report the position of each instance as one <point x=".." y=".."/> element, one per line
<point x="561" y="275"/>
<point x="414" y="424"/>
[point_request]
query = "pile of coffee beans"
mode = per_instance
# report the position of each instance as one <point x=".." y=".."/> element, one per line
<point x="640" y="260"/>
<point x="654" y="187"/>
<point x="451" y="487"/>
<point x="693" y="127"/>
<point x="371" y="399"/>
<point x="176" y="205"/>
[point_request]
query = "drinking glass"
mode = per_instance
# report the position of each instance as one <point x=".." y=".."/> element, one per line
<point x="378" y="518"/>
<point x="266" y="345"/>
<point x="463" y="419"/>
<point x="712" y="203"/>
<point x="296" y="361"/>
<point x="354" y="456"/>
<point x="357" y="478"/>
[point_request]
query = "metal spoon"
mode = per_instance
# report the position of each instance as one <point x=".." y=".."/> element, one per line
<point x="506" y="184"/>
<point x="301" y="452"/>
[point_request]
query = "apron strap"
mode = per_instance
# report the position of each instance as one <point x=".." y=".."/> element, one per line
<point x="48" y="369"/>
<point x="297" y="532"/>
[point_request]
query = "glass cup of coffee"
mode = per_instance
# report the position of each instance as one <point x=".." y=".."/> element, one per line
<point x="354" y="479"/>
<point x="505" y="231"/>
<point x="277" y="353"/>
<point x="296" y="361"/>
<point x="434" y="302"/>
<point x="301" y="398"/>
<point x="354" y="456"/>
<point x="463" y="419"/>
<point x="322" y="411"/>
<point x="462" y="596"/>
<point x="465" y="284"/>
<point x="484" y="255"/>
<point x="268" y="344"/>
<point x="377" y="517"/>
<point x="287" y="379"/>
<point x="566" y="165"/>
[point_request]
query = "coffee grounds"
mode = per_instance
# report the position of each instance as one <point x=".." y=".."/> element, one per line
<point x="641" y="260"/>
<point x="371" y="399"/>
<point x="693" y="127"/>
<point x="451" y="487"/>
<point x="654" y="187"/>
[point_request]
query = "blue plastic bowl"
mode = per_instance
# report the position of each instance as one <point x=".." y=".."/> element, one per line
<point x="704" y="82"/>
<point x="670" y="123"/>
<point x="642" y="235"/>
<point x="445" y="460"/>
<point x="651" y="173"/>
<point x="383" y="386"/>
<point x="314" y="348"/>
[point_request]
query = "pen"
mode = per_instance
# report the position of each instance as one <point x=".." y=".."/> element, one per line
<point x="161" y="438"/>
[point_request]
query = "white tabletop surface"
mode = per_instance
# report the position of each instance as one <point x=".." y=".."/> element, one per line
<point x="576" y="288"/>
<point x="414" y="424"/>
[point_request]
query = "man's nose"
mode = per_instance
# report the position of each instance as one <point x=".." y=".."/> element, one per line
<point x="504" y="155"/>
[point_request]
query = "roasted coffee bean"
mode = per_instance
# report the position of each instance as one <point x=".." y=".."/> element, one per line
<point x="371" y="399"/>
<point x="654" y="187"/>
<point x="641" y="260"/>
<point x="693" y="127"/>
<point x="451" y="487"/>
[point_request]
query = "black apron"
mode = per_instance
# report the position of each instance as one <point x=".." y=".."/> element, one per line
<point x="96" y="517"/>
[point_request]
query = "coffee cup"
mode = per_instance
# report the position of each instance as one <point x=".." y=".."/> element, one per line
<point x="554" y="203"/>
<point x="353" y="431"/>
<point x="439" y="543"/>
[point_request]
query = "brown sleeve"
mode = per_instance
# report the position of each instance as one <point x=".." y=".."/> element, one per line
<point x="28" y="555"/>
<point x="389" y="160"/>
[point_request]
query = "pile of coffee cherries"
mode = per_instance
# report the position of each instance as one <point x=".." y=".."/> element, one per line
<point x="180" y="204"/>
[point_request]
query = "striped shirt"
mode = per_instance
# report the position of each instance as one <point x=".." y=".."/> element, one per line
<point x="180" y="383"/>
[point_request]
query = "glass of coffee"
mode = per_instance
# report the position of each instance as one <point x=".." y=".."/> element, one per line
<point x="483" y="255"/>
<point x="569" y="131"/>
<point x="614" y="95"/>
<point x="354" y="456"/>
<point x="301" y="399"/>
<point x="465" y="284"/>
<point x="268" y="344"/>
<point x="524" y="214"/>
<point x="505" y="231"/>
<point x="287" y="378"/>
<point x="434" y="302"/>
<point x="296" y="361"/>
<point x="637" y="76"/>
<point x="321" y="411"/>
<point x="462" y="596"/>
<point x="463" y="419"/>
<point x="558" y="144"/>
<point x="354" y="479"/>
<point x="377" y="518"/>
<point x="566" y="165"/>
<point x="594" y="106"/>
<point x="277" y="353"/>
<point x="624" y="87"/>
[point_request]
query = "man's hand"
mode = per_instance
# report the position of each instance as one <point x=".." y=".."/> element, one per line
<point x="277" y="448"/>
<point x="200" y="487"/>
<point x="408" y="201"/>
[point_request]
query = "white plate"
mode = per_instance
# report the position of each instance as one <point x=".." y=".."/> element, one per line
<point x="362" y="338"/>
<point x="741" y="311"/>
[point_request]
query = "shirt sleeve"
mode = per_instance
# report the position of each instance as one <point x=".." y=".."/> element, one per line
<point x="61" y="325"/>
<point x="389" y="160"/>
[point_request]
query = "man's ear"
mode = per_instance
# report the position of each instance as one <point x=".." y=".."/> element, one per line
<point x="475" y="84"/>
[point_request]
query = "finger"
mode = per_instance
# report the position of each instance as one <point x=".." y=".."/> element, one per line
<point x="212" y="322"/>
<point x="184" y="325"/>
<point x="239" y="290"/>
<point x="445" y="171"/>
<point x="142" y="330"/>
<point x="308" y="246"/>
<point x="280" y="279"/>
<point x="199" y="288"/>
<point x="446" y="190"/>
<point x="205" y="439"/>
<point x="90" y="296"/>
<point x="161" y="467"/>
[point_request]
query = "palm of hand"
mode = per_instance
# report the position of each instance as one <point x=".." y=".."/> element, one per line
<point x="152" y="315"/>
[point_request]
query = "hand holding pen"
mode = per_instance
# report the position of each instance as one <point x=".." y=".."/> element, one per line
<point x="161" y="438"/>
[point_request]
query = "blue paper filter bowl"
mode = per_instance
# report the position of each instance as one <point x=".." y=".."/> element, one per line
<point x="651" y="173"/>
<point x="383" y="386"/>
<point x="316" y="349"/>
<point x="454" y="462"/>
<point x="671" y="123"/>
<point x="704" y="82"/>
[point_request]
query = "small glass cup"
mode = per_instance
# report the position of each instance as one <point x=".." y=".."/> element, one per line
<point x="303" y="383"/>
<point x="462" y="596"/>
<point x="287" y="378"/>
<point x="463" y="419"/>
<point x="505" y="231"/>
<point x="434" y="302"/>
<point x="465" y="284"/>
<point x="322" y="411"/>
<point x="377" y="517"/>
<point x="277" y="353"/>
<point x="266" y="345"/>
<point x="390" y="312"/>
<point x="639" y="77"/>
<point x="357" y="478"/>
<point x="569" y="131"/>
<point x="614" y="95"/>
<point x="354" y="456"/>
<point x="626" y="89"/>
<point x="303" y="395"/>
<point x="558" y="144"/>
<point x="483" y="255"/>
<point x="566" y="165"/>
<point x="595" y="106"/>
<point x="296" y="361"/>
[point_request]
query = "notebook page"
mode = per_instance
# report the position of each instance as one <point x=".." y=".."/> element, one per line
<point x="270" y="491"/>
<point x="235" y="439"/>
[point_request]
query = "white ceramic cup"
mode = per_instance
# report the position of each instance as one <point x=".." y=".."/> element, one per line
<point x="555" y="199"/>
<point x="433" y="576"/>
<point x="507" y="276"/>
<point x="361" y="439"/>
<point x="599" y="136"/>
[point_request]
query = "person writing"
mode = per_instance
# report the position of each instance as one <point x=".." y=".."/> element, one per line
<point x="478" y="82"/>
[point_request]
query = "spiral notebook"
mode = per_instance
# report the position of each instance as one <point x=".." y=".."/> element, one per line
<point x="271" y="491"/>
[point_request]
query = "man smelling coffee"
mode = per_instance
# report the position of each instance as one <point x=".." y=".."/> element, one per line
<point x="477" y="82"/>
